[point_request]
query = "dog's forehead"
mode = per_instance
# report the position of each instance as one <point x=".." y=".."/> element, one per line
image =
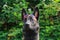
<point x="30" y="15"/>
<point x="33" y="17"/>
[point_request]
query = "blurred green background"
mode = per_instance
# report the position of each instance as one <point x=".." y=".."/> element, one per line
<point x="11" y="22"/>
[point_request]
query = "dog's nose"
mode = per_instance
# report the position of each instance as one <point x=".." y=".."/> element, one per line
<point x="27" y="25"/>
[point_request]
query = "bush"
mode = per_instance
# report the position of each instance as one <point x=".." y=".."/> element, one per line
<point x="11" y="23"/>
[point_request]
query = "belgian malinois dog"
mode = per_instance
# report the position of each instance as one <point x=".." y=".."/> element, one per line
<point x="31" y="25"/>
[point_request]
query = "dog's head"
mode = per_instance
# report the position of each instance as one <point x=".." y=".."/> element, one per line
<point x="31" y="21"/>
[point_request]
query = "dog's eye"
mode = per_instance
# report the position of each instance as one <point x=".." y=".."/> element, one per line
<point x="33" y="24"/>
<point x="25" y="19"/>
<point x="37" y="28"/>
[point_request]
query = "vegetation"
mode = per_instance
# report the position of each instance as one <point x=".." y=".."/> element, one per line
<point x="11" y="22"/>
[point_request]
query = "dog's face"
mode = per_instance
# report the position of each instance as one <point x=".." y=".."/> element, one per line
<point x="30" y="21"/>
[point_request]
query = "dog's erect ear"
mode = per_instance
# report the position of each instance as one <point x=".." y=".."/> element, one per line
<point x="36" y="13"/>
<point x="23" y="14"/>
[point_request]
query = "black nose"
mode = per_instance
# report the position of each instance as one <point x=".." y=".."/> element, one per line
<point x="27" y="25"/>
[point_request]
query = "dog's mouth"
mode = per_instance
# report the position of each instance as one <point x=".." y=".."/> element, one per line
<point x="30" y="31"/>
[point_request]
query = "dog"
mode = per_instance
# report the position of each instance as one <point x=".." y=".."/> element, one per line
<point x="31" y="25"/>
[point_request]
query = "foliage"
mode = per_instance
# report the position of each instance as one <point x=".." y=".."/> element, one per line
<point x="11" y="22"/>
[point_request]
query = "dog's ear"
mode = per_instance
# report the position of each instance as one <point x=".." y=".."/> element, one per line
<point x="23" y="14"/>
<point x="36" y="13"/>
